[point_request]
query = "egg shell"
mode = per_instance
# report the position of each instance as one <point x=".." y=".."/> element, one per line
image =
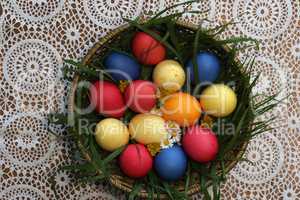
<point x="147" y="50"/>
<point x="218" y="100"/>
<point x="140" y="96"/>
<point x="107" y="99"/>
<point x="182" y="108"/>
<point x="147" y="128"/>
<point x="169" y="75"/>
<point x="171" y="163"/>
<point x="122" y="67"/>
<point x="200" y="144"/>
<point x="208" y="67"/>
<point x="111" y="134"/>
<point x="135" y="161"/>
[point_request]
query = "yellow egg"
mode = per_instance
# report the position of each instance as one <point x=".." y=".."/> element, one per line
<point x="218" y="100"/>
<point x="147" y="128"/>
<point x="111" y="134"/>
<point x="169" y="75"/>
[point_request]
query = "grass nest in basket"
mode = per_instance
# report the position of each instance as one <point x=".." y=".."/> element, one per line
<point x="182" y="41"/>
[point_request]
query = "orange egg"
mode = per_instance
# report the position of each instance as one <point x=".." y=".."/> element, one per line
<point x="181" y="108"/>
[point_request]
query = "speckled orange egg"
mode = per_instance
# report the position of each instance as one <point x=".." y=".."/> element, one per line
<point x="181" y="108"/>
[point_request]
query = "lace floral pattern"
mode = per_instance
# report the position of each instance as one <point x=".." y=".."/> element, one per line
<point x="263" y="19"/>
<point x="35" y="37"/>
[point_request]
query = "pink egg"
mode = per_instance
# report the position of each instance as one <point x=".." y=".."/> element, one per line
<point x="200" y="144"/>
<point x="107" y="99"/>
<point x="140" y="96"/>
<point x="135" y="161"/>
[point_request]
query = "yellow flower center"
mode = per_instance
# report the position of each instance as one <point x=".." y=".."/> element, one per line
<point x="153" y="148"/>
<point x="207" y="121"/>
<point x="123" y="84"/>
<point x="166" y="142"/>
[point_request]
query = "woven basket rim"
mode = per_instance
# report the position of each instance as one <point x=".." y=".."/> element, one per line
<point x="117" y="180"/>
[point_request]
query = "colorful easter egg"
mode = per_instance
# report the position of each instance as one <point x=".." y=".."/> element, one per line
<point x="147" y="50"/>
<point x="171" y="163"/>
<point x="111" y="134"/>
<point x="169" y="75"/>
<point x="121" y="66"/>
<point x="200" y="144"/>
<point x="208" y="67"/>
<point x="107" y="99"/>
<point x="147" y="128"/>
<point x="140" y="96"/>
<point x="182" y="108"/>
<point x="218" y="100"/>
<point x="135" y="161"/>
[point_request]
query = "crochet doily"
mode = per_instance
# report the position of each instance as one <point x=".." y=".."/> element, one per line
<point x="37" y="35"/>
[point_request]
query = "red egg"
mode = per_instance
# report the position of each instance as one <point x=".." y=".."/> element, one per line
<point x="107" y="99"/>
<point x="140" y="96"/>
<point x="135" y="161"/>
<point x="200" y="144"/>
<point x="147" y="50"/>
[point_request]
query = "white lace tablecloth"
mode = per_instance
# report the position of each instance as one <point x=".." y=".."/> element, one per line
<point x="35" y="37"/>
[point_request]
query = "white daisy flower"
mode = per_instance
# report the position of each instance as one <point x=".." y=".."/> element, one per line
<point x="166" y="144"/>
<point x="174" y="135"/>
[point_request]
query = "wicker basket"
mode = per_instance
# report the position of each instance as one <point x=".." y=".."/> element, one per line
<point x="122" y="182"/>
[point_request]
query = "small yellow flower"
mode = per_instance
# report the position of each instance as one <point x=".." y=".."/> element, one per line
<point x="162" y="93"/>
<point x="166" y="144"/>
<point x="207" y="121"/>
<point x="174" y="134"/>
<point x="153" y="148"/>
<point x="156" y="111"/>
<point x="123" y="84"/>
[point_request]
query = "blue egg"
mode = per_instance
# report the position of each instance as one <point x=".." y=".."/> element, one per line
<point x="208" y="67"/>
<point x="122" y="67"/>
<point x="170" y="164"/>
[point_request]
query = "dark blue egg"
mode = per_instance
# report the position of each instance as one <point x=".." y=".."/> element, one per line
<point x="170" y="164"/>
<point x="122" y="67"/>
<point x="208" y="67"/>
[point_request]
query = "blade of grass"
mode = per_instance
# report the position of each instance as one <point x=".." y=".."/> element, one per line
<point x="172" y="31"/>
<point x="135" y="190"/>
<point x="112" y="156"/>
<point x="238" y="40"/>
<point x="87" y="167"/>
<point x="173" y="6"/>
<point x="187" y="180"/>
<point x="194" y="60"/>
<point x="167" y="188"/>
<point x="215" y="182"/>
<point x="89" y="179"/>
<point x="232" y="142"/>
<point x="204" y="187"/>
